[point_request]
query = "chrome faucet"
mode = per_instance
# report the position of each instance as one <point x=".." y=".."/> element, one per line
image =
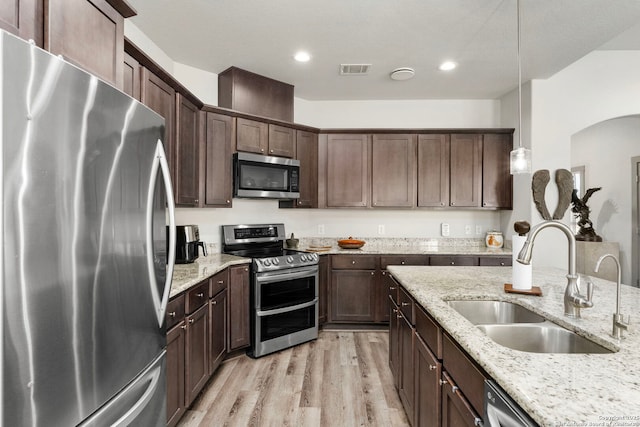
<point x="618" y="319"/>
<point x="573" y="301"/>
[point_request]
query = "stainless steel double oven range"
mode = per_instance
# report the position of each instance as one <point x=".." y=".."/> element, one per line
<point x="284" y="287"/>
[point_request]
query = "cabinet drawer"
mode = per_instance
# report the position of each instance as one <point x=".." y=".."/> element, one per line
<point x="403" y="260"/>
<point x="353" y="262"/>
<point x="394" y="286"/>
<point x="197" y="296"/>
<point x="406" y="304"/>
<point x="429" y="331"/>
<point x="218" y="282"/>
<point x="464" y="372"/>
<point x="175" y="311"/>
<point x="495" y="261"/>
<point x="460" y="260"/>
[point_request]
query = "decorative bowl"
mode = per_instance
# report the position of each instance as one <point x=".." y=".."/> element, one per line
<point x="351" y="243"/>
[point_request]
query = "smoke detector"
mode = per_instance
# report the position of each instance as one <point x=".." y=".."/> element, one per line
<point x="354" y="69"/>
<point x="403" y="73"/>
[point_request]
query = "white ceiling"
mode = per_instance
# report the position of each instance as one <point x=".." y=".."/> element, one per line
<point x="480" y="35"/>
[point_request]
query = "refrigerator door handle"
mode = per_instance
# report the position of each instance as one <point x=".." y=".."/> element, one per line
<point x="160" y="301"/>
<point x="153" y="377"/>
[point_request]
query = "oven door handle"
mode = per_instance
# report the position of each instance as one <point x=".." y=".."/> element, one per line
<point x="287" y="309"/>
<point x="280" y="275"/>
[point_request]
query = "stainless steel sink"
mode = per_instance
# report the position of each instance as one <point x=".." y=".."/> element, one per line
<point x="516" y="327"/>
<point x="494" y="312"/>
<point x="544" y="337"/>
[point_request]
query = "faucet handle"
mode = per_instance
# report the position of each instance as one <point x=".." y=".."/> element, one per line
<point x="589" y="290"/>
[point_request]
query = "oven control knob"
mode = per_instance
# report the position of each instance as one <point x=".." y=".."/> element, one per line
<point x="289" y="259"/>
<point x="314" y="257"/>
<point x="266" y="263"/>
<point x="303" y="257"/>
<point x="275" y="261"/>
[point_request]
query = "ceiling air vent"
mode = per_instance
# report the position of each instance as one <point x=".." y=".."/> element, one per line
<point x="354" y="69"/>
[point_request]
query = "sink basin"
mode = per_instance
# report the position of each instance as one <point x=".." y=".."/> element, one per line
<point x="544" y="337"/>
<point x="494" y="312"/>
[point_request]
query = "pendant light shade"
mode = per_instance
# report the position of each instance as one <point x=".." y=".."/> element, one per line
<point x="520" y="160"/>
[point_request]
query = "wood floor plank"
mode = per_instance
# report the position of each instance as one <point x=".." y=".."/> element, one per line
<point x="340" y="379"/>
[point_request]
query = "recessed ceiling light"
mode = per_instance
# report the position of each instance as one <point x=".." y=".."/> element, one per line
<point x="447" y="66"/>
<point x="302" y="57"/>
<point x="404" y="73"/>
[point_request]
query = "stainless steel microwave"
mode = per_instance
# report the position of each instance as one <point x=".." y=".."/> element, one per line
<point x="267" y="177"/>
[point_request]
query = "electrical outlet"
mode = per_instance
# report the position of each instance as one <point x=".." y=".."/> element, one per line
<point x="467" y="229"/>
<point x="444" y="229"/>
<point x="321" y="229"/>
<point x="478" y="229"/>
<point x="381" y="229"/>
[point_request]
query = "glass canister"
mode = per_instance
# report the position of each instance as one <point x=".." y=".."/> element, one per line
<point x="494" y="239"/>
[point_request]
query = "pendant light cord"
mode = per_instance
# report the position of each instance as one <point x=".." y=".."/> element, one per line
<point x="519" y="81"/>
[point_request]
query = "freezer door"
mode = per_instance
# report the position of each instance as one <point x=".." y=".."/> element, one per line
<point x="83" y="271"/>
<point x="142" y="403"/>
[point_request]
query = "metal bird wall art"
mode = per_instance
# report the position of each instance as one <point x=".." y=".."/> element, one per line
<point x="586" y="232"/>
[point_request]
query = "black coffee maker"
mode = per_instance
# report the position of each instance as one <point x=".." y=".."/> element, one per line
<point x="187" y="243"/>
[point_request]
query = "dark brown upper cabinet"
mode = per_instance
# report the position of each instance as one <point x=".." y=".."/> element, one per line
<point x="187" y="160"/>
<point x="252" y="136"/>
<point x="131" y="76"/>
<point x="281" y="141"/>
<point x="23" y="18"/>
<point x="466" y="170"/>
<point x="393" y="170"/>
<point x="433" y="170"/>
<point x="218" y="146"/>
<point x="307" y="154"/>
<point x="347" y="170"/>
<point x="497" y="182"/>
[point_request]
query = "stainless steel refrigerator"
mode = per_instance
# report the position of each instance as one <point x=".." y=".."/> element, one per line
<point x="84" y="273"/>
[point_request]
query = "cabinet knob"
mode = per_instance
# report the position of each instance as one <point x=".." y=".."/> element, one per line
<point x="399" y="316"/>
<point x="441" y="203"/>
<point x="262" y="150"/>
<point x="299" y="202"/>
<point x="502" y="263"/>
<point x="395" y="310"/>
<point x="375" y="204"/>
<point x="220" y="282"/>
<point x="484" y="204"/>
<point x="453" y="203"/>
<point x="215" y="302"/>
<point x="373" y="273"/>
<point x="404" y="304"/>
<point x="392" y="288"/>
<point x="401" y="262"/>
<point x="453" y="263"/>
<point x="353" y="262"/>
<point x="384" y="273"/>
<point x="228" y="201"/>
<point x="432" y="367"/>
<point x="191" y="321"/>
<point x="183" y="327"/>
<point x="271" y="151"/>
<point x="171" y="314"/>
<point x="200" y="295"/>
<point x="443" y="382"/>
<point x="246" y="269"/>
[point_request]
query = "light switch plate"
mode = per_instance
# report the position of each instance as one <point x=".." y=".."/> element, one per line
<point x="444" y="229"/>
<point x="321" y="229"/>
<point x="381" y="229"/>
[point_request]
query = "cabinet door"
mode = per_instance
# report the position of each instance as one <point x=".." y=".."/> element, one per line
<point x="161" y="98"/>
<point x="393" y="171"/>
<point x="238" y="309"/>
<point x="281" y="141"/>
<point x="187" y="159"/>
<point x="385" y="288"/>
<point x="427" y="386"/>
<point x="459" y="260"/>
<point x="22" y="18"/>
<point x="497" y="182"/>
<point x="323" y="288"/>
<point x="131" y="76"/>
<point x="394" y="341"/>
<point x="196" y="353"/>
<point x="252" y="136"/>
<point x="218" y="178"/>
<point x="307" y="154"/>
<point x="217" y="330"/>
<point x="347" y="171"/>
<point x="175" y="373"/>
<point x="433" y="170"/>
<point x="353" y="295"/>
<point x="406" y="383"/>
<point x="466" y="170"/>
<point x="456" y="410"/>
<point x="68" y="26"/>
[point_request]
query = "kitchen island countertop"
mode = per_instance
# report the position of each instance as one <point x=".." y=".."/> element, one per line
<point x="555" y="389"/>
<point x="187" y="275"/>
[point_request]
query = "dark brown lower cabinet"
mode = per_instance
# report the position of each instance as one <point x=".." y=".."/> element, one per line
<point x="175" y="374"/>
<point x="323" y="288"/>
<point x="238" y="308"/>
<point x="428" y="370"/>
<point x="394" y="341"/>
<point x="406" y="380"/>
<point x="353" y="296"/>
<point x="196" y="352"/>
<point x="456" y="410"/>
<point x="218" y="330"/>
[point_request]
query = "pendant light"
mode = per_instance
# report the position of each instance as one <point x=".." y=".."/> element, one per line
<point x="520" y="159"/>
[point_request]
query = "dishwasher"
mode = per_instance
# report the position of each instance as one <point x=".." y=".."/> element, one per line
<point x="501" y="411"/>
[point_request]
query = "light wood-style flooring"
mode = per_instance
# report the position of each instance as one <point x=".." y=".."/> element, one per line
<point x="341" y="379"/>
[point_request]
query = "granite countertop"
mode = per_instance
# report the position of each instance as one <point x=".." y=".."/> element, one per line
<point x="187" y="275"/>
<point x="407" y="246"/>
<point x="555" y="389"/>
